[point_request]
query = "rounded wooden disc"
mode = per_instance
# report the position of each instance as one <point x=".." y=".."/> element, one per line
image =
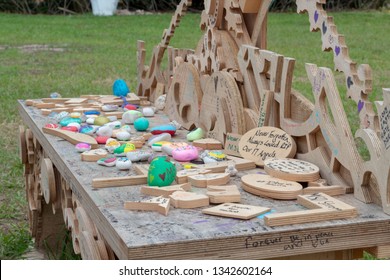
<point x="292" y="169"/>
<point x="184" y="96"/>
<point x="265" y="142"/>
<point x="88" y="246"/>
<point x="102" y="250"/>
<point x="48" y="184"/>
<point x="85" y="222"/>
<point x="265" y="185"/>
<point x="221" y="110"/>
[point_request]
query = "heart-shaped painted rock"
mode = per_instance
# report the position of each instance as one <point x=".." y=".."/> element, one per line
<point x="161" y="172"/>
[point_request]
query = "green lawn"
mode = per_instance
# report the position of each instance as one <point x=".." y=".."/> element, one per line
<point x="88" y="53"/>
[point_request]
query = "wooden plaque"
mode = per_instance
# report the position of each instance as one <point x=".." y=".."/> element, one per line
<point x="292" y="169"/>
<point x="265" y="142"/>
<point x="235" y="210"/>
<point x="265" y="185"/>
<point x="231" y="144"/>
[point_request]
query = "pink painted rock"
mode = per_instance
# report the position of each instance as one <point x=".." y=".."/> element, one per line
<point x="185" y="153"/>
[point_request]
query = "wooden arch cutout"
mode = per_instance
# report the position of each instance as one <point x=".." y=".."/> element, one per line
<point x="262" y="90"/>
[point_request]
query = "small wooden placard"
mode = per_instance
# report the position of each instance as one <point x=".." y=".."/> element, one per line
<point x="204" y="180"/>
<point x="223" y="194"/>
<point x="188" y="200"/>
<point x="292" y="169"/>
<point x="234" y="210"/>
<point x="266" y="142"/>
<point x="231" y="144"/>
<point x="159" y="204"/>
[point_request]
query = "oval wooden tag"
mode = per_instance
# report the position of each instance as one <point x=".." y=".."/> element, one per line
<point x="292" y="169"/>
<point x="265" y="142"/>
<point x="265" y="185"/>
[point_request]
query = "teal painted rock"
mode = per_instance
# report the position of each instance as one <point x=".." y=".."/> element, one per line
<point x="120" y="88"/>
<point x="141" y="124"/>
<point x="161" y="172"/>
<point x="67" y="120"/>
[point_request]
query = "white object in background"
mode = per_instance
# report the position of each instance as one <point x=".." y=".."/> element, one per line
<point x="104" y="7"/>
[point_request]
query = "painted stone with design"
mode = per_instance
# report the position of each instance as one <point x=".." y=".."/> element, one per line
<point x="161" y="172"/>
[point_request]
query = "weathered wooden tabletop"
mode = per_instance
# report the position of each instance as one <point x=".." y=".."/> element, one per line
<point x="189" y="234"/>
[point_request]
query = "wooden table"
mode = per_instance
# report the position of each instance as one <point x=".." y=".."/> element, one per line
<point x="184" y="233"/>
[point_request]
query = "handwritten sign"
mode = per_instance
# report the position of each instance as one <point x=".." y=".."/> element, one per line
<point x="234" y="210"/>
<point x="231" y="144"/>
<point x="266" y="142"/>
<point x="292" y="169"/>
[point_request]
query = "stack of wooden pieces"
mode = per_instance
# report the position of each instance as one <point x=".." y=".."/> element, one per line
<point x="322" y="207"/>
<point x="223" y="194"/>
<point x="292" y="169"/>
<point x="235" y="210"/>
<point x="267" y="186"/>
<point x="204" y="180"/>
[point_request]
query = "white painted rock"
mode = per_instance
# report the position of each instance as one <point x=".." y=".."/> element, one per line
<point x="123" y="136"/>
<point x="159" y="138"/>
<point x="126" y="128"/>
<point x="148" y="112"/>
<point x="114" y="124"/>
<point x="104" y="131"/>
<point x="110" y="108"/>
<point x="160" y="102"/>
<point x="90" y="121"/>
<point x="123" y="163"/>
<point x="139" y="155"/>
<point x="107" y="161"/>
<point x="130" y="116"/>
<point x="112" y="118"/>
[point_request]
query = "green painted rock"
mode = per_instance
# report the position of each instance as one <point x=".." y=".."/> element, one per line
<point x="101" y="120"/>
<point x="161" y="172"/>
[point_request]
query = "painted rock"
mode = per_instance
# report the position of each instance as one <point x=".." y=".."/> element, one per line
<point x="114" y="124"/>
<point x="126" y="127"/>
<point x="101" y="120"/>
<point x="70" y="128"/>
<point x="176" y="124"/>
<point x="157" y="146"/>
<point x="82" y="147"/>
<point x="112" y="118"/>
<point x="120" y="88"/>
<point x="123" y="163"/>
<point x="75" y="124"/>
<point x="110" y="161"/>
<point x="160" y="102"/>
<point x="104" y="131"/>
<point x="129" y="107"/>
<point x="101" y="139"/>
<point x="148" y="112"/>
<point x="122" y="150"/>
<point x="111" y="144"/>
<point x="91" y="113"/>
<point x="58" y="117"/>
<point x="75" y="115"/>
<point x="141" y="124"/>
<point x="159" y="137"/>
<point x="90" y="121"/>
<point x="51" y="125"/>
<point x="195" y="134"/>
<point x="168" y="148"/>
<point x="166" y="128"/>
<point x="161" y="172"/>
<point x="87" y="129"/>
<point x="129" y="117"/>
<point x="139" y="155"/>
<point x="110" y="107"/>
<point x="212" y="156"/>
<point x="67" y="120"/>
<point x="123" y="135"/>
<point x="186" y="153"/>
<point x="55" y="95"/>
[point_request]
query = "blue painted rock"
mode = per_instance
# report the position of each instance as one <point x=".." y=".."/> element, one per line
<point x="55" y="95"/>
<point x="92" y="112"/>
<point x="165" y="128"/>
<point x="120" y="88"/>
<point x="141" y="124"/>
<point x="161" y="172"/>
<point x="195" y="134"/>
<point x="107" y="161"/>
<point x="67" y="120"/>
<point x="87" y="129"/>
<point x="129" y="117"/>
<point x="123" y="149"/>
<point x="58" y="117"/>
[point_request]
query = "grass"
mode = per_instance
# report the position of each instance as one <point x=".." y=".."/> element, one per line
<point x="91" y="52"/>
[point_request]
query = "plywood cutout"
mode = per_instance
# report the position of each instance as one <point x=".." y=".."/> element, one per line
<point x="204" y="180"/>
<point x="292" y="169"/>
<point x="323" y="208"/>
<point x="72" y="137"/>
<point x="266" y="142"/>
<point x="188" y="200"/>
<point x="165" y="191"/>
<point x="159" y="204"/>
<point x="223" y="194"/>
<point x="235" y="210"/>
